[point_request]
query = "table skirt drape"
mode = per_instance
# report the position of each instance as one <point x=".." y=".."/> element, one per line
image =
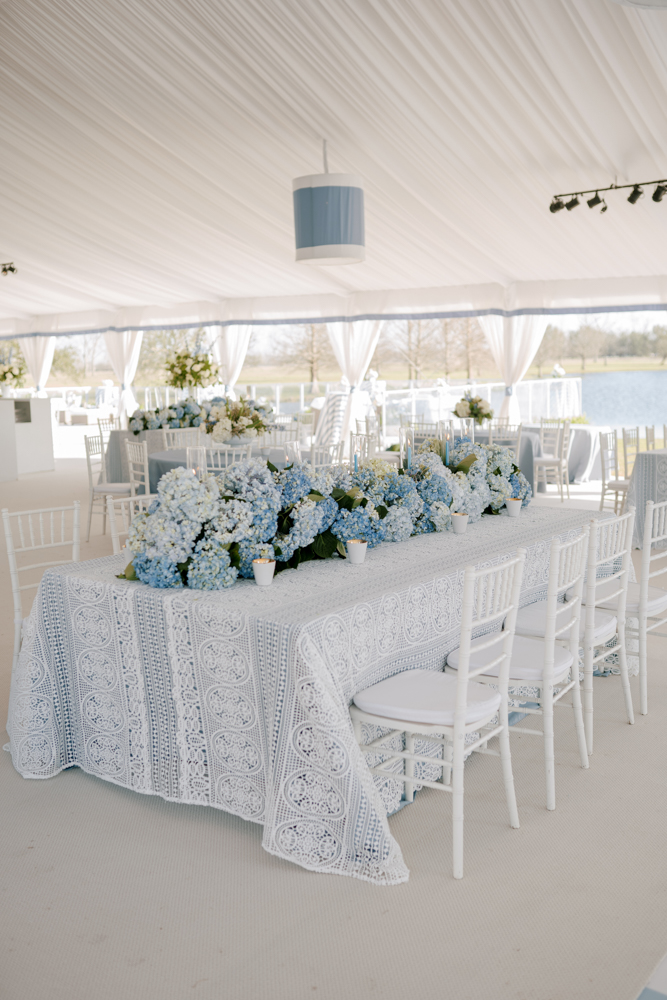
<point x="239" y="699"/>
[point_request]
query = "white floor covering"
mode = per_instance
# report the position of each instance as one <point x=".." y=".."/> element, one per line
<point x="108" y="894"/>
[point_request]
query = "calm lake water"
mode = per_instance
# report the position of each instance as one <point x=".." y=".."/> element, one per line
<point x="626" y="399"/>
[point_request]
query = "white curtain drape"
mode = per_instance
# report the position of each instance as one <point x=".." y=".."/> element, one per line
<point x="229" y="347"/>
<point x="38" y="354"/>
<point x="353" y="345"/>
<point x="124" y="349"/>
<point x="514" y="341"/>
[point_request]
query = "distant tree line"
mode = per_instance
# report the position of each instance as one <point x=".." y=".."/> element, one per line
<point x="590" y="343"/>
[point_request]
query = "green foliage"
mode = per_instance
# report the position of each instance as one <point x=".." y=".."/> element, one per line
<point x="66" y="363"/>
<point x="156" y="345"/>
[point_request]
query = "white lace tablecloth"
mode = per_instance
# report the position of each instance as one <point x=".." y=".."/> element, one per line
<point x="647" y="482"/>
<point x="239" y="699"/>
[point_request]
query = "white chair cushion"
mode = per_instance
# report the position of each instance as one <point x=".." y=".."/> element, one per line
<point x="618" y="484"/>
<point x="527" y="658"/>
<point x="532" y="620"/>
<point x="656" y="604"/>
<point x="548" y="460"/>
<point x="113" y="488"/>
<point x="427" y="696"/>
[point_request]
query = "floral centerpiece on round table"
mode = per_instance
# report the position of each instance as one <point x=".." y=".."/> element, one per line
<point x="185" y="370"/>
<point x="204" y="534"/>
<point x="255" y="418"/>
<point x="241" y="419"/>
<point x="473" y="406"/>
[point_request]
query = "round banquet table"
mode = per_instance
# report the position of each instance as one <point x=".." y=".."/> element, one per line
<point x="647" y="482"/>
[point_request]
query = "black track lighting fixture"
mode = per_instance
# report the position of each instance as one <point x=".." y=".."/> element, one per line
<point x="8" y="268"/>
<point x="570" y="199"/>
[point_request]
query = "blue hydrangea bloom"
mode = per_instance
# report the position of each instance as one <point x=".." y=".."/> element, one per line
<point x="159" y="572"/>
<point x="296" y="483"/>
<point x="362" y="522"/>
<point x="251" y="549"/>
<point x="211" y="567"/>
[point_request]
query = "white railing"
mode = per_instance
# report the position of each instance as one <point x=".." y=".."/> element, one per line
<point x="549" y="397"/>
<point x="552" y="397"/>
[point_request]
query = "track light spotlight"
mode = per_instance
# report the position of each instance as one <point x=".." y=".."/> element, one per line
<point x="8" y="268"/>
<point x="570" y="199"/>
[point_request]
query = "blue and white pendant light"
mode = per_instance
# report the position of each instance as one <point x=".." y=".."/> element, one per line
<point x="329" y="218"/>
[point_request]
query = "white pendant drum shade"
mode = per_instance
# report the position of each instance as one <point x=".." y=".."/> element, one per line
<point x="329" y="219"/>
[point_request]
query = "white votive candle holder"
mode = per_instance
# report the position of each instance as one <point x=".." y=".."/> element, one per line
<point x="459" y="523"/>
<point x="356" y="550"/>
<point x="514" y="506"/>
<point x="263" y="570"/>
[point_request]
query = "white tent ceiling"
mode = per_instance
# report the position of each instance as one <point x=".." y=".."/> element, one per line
<point x="149" y="147"/>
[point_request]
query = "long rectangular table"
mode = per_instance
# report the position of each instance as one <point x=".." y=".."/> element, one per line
<point x="238" y="699"/>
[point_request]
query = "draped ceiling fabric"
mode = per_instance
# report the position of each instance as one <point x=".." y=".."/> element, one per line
<point x="149" y="150"/>
<point x="229" y="346"/>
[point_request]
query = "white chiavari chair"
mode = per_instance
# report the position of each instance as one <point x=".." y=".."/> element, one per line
<point x="106" y="425"/>
<point x="137" y="464"/>
<point x="364" y="446"/>
<point x="442" y="709"/>
<point x="121" y="511"/>
<point x="607" y="576"/>
<point x="98" y="487"/>
<point x="508" y="435"/>
<point x="630" y="448"/>
<point x="219" y="459"/>
<point x="278" y="436"/>
<point x="611" y="483"/>
<point x="555" y="446"/>
<point x="322" y="456"/>
<point x="650" y="438"/>
<point x="545" y="655"/>
<point x="31" y="531"/>
<point x="185" y="437"/>
<point x="644" y="602"/>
